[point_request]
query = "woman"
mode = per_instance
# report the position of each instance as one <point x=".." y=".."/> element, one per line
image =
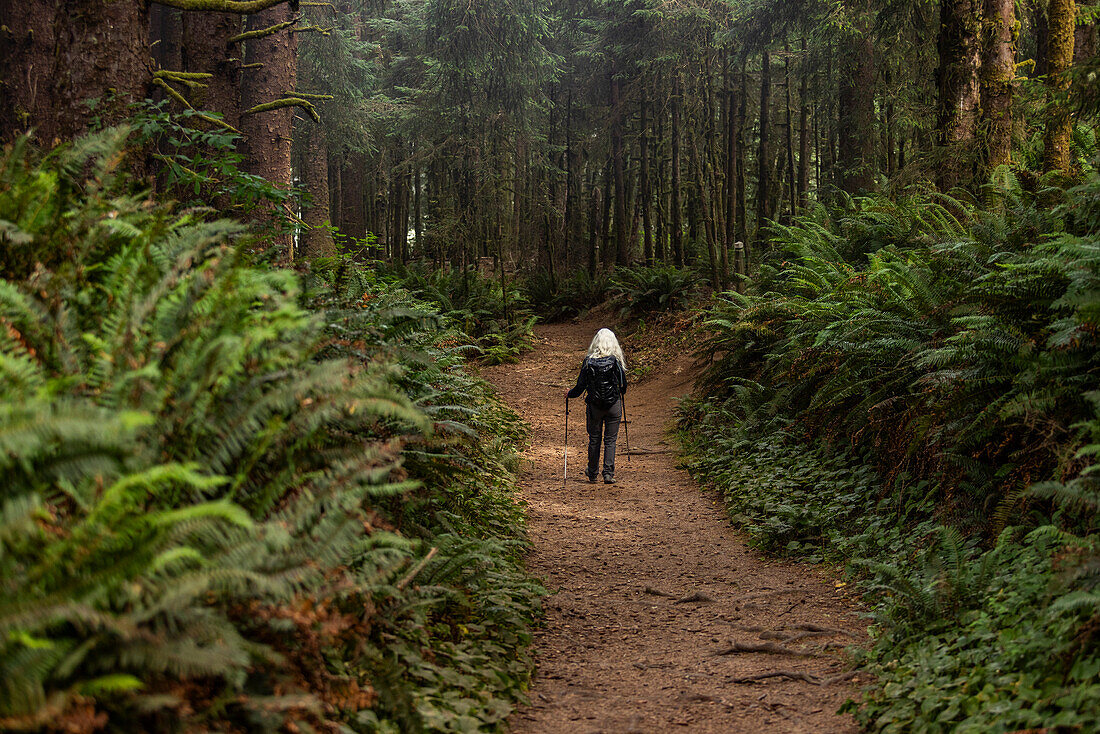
<point x="603" y="376"/>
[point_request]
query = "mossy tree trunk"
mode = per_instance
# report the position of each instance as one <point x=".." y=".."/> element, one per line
<point x="270" y="72"/>
<point x="959" y="102"/>
<point x="856" y="121"/>
<point x="764" y="208"/>
<point x="207" y="49"/>
<point x="675" y="224"/>
<point x="1000" y="32"/>
<point x="317" y="239"/>
<point x="1061" y="19"/>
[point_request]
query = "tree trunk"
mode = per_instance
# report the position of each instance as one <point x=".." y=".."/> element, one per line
<point x="1062" y="17"/>
<point x="267" y="135"/>
<point x="792" y="178"/>
<point x="64" y="65"/>
<point x="959" y="96"/>
<point x="997" y="74"/>
<point x="1042" y="36"/>
<point x="166" y="36"/>
<point x="607" y="253"/>
<point x="644" y="193"/>
<point x="804" y="131"/>
<point x="1085" y="42"/>
<point x="352" y="210"/>
<point x="674" y="205"/>
<point x="764" y="209"/>
<point x="622" y="247"/>
<point x="730" y="163"/>
<point x="857" y="115"/>
<point x="739" y="135"/>
<point x="206" y="49"/>
<point x="317" y="239"/>
<point x="593" y="223"/>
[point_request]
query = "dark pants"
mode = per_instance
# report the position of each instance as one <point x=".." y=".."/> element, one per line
<point x="603" y="424"/>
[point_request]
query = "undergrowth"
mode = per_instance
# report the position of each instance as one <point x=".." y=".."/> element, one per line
<point x="235" y="497"/>
<point x="498" y="317"/>
<point x="909" y="391"/>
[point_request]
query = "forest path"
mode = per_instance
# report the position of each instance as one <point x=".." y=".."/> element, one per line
<point x="627" y="645"/>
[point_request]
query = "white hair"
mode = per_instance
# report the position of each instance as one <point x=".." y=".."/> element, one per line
<point x="604" y="344"/>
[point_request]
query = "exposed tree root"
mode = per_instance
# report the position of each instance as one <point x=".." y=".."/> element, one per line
<point x="768" y="647"/>
<point x="789" y="674"/>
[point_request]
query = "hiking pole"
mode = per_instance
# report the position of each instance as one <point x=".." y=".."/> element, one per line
<point x="565" y="472"/>
<point x="626" y="427"/>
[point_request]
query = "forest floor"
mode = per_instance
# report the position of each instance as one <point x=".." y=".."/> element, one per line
<point x="650" y="583"/>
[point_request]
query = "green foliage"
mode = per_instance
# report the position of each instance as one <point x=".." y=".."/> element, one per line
<point x="646" y="289"/>
<point x="888" y="398"/>
<point x="497" y="315"/>
<point x="573" y="296"/>
<point x="197" y="165"/>
<point x="234" y="494"/>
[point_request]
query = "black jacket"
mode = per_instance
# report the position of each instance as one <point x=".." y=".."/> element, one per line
<point x="582" y="379"/>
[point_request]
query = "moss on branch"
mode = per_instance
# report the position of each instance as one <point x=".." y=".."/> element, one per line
<point x="193" y="80"/>
<point x="160" y="82"/>
<point x="261" y="32"/>
<point x="304" y="95"/>
<point x="279" y="104"/>
<point x="244" y="7"/>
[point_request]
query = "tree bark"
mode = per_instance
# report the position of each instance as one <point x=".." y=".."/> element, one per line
<point x="997" y="74"/>
<point x="739" y="134"/>
<point x="804" y="131"/>
<point x="267" y="135"/>
<point x="644" y="192"/>
<point x="1062" y="18"/>
<point x="959" y="91"/>
<point x="206" y="49"/>
<point x="675" y="223"/>
<point x="764" y="210"/>
<point x="856" y="125"/>
<point x="317" y="239"/>
<point x="622" y="247"/>
<point x="65" y="65"/>
<point x="792" y="178"/>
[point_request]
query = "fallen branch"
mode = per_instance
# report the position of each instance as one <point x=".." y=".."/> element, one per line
<point x="416" y="569"/>
<point x="698" y="596"/>
<point x="657" y="592"/>
<point x="768" y="647"/>
<point x="810" y="627"/>
<point x="789" y="674"/>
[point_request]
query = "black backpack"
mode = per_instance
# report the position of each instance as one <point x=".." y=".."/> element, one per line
<point x="603" y="382"/>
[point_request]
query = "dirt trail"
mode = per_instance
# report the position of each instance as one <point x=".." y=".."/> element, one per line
<point x="651" y="581"/>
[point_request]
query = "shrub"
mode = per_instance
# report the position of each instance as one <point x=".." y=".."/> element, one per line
<point x="231" y="499"/>
<point x="647" y="289"/>
<point x="891" y="397"/>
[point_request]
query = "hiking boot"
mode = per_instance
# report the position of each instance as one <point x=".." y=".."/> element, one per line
<point x="607" y="479"/>
<point x="591" y="478"/>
